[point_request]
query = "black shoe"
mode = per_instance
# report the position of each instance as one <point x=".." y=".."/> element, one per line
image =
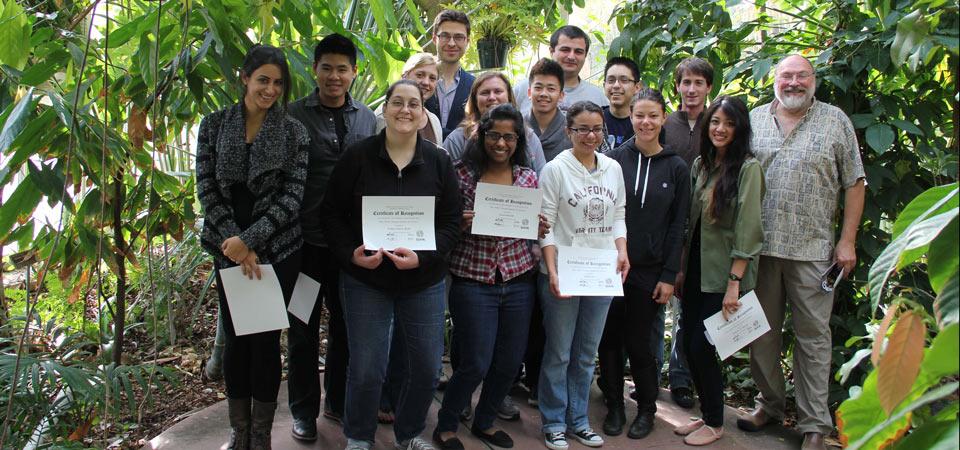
<point x="499" y="438"/>
<point x="682" y="396"/>
<point x="449" y="444"/>
<point x="615" y="420"/>
<point x="641" y="426"/>
<point x="304" y="430"/>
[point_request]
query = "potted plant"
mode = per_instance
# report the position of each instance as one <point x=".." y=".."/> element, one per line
<point x="497" y="26"/>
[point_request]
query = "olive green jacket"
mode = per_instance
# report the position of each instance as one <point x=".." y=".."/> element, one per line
<point x="738" y="233"/>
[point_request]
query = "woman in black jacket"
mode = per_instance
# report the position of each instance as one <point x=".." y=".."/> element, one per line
<point x="658" y="195"/>
<point x="399" y="288"/>
<point x="251" y="168"/>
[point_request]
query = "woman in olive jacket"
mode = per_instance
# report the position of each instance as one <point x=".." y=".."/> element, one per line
<point x="725" y="218"/>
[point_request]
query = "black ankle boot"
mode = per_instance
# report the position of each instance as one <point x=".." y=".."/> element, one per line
<point x="641" y="426"/>
<point x="238" y="410"/>
<point x="615" y="420"/>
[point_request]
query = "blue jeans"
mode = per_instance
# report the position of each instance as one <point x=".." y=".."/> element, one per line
<point x="370" y="315"/>
<point x="492" y="322"/>
<point x="573" y="328"/>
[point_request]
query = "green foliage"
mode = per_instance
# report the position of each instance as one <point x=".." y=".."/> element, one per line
<point x="904" y="112"/>
<point x="15" y="34"/>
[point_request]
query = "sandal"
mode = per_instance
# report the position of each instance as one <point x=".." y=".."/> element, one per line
<point x="684" y="430"/>
<point x="703" y="436"/>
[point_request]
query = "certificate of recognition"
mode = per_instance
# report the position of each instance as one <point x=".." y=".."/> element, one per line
<point x="741" y="328"/>
<point x="588" y="271"/>
<point x="397" y="221"/>
<point x="506" y="211"/>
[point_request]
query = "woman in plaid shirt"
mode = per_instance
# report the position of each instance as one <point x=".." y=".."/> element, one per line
<point x="493" y="284"/>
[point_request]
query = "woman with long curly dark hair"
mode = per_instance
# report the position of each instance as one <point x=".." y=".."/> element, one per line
<point x="728" y="188"/>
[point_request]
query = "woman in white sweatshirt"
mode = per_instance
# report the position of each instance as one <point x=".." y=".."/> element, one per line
<point x="583" y="200"/>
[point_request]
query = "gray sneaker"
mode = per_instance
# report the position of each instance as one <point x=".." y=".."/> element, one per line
<point x="416" y="443"/>
<point x="356" y="444"/>
<point x="508" y="410"/>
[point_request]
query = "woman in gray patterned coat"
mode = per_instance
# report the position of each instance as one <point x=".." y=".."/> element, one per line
<point x="251" y="167"/>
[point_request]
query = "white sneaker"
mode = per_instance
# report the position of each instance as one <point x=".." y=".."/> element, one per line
<point x="416" y="443"/>
<point x="555" y="441"/>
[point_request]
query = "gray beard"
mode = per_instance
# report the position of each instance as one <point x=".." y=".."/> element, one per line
<point x="793" y="102"/>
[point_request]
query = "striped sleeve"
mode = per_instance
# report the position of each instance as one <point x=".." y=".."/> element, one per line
<point x="216" y="210"/>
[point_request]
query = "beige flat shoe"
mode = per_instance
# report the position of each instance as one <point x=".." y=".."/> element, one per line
<point x="703" y="436"/>
<point x="684" y="430"/>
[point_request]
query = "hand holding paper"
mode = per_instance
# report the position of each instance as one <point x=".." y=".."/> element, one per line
<point x="740" y="328"/>
<point x="255" y="305"/>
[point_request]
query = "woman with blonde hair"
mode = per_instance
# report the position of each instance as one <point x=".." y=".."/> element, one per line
<point x="421" y="68"/>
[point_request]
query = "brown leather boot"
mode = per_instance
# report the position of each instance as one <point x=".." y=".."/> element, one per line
<point x="261" y="425"/>
<point x="813" y="441"/>
<point x="754" y="420"/>
<point x="238" y="410"/>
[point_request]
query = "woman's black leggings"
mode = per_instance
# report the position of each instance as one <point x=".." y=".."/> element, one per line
<point x="251" y="363"/>
<point x="701" y="354"/>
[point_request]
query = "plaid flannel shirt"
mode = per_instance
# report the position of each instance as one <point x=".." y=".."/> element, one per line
<point x="479" y="257"/>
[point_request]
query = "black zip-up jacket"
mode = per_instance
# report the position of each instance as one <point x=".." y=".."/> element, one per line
<point x="658" y="201"/>
<point x="366" y="169"/>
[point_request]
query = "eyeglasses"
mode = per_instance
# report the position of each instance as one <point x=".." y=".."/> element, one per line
<point x="399" y="104"/>
<point x="799" y="76"/>
<point x="458" y="38"/>
<point x="622" y="80"/>
<point x="493" y="136"/>
<point x="583" y="132"/>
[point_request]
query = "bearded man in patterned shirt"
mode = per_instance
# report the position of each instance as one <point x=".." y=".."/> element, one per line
<point x="810" y="156"/>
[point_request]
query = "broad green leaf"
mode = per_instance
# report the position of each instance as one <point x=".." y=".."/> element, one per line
<point x="866" y="441"/>
<point x="912" y="29"/>
<point x="943" y="356"/>
<point x="909" y="127"/>
<point x="857" y="415"/>
<point x="935" y="435"/>
<point x="14" y="34"/>
<point x="880" y="137"/>
<point x="16" y="120"/>
<point x="947" y="304"/>
<point x="916" y="236"/>
<point x="19" y="207"/>
<point x="943" y="258"/>
<point x="931" y="202"/>
<point x="37" y="74"/>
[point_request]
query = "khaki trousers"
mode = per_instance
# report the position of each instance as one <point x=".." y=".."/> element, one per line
<point x="781" y="282"/>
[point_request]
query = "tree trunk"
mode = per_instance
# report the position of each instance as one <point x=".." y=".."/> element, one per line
<point x="120" y="304"/>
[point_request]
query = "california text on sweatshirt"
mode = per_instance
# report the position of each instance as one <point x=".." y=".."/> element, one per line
<point x="584" y="209"/>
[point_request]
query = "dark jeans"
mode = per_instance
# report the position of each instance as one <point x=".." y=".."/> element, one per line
<point x="251" y="363"/>
<point x="303" y="342"/>
<point x="370" y="316"/>
<point x="536" y="339"/>
<point x="701" y="354"/>
<point x="492" y="322"/>
<point x="630" y="324"/>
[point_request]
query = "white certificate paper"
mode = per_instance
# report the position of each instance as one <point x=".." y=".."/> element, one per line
<point x="588" y="271"/>
<point x="255" y="305"/>
<point x="506" y="211"/>
<point x="397" y="221"/>
<point x="303" y="298"/>
<point x="742" y="327"/>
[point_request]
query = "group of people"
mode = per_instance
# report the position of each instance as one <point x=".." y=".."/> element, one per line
<point x="701" y="206"/>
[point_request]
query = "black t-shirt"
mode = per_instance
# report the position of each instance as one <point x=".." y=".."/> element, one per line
<point x="339" y="123"/>
<point x="618" y="130"/>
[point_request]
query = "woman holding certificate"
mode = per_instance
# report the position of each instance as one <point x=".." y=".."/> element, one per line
<point x="397" y="286"/>
<point x="493" y="284"/>
<point x="726" y="238"/>
<point x="583" y="201"/>
<point x="251" y="169"/>
<point x="658" y="201"/>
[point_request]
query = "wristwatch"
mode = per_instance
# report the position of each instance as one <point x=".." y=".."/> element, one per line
<point x="734" y="277"/>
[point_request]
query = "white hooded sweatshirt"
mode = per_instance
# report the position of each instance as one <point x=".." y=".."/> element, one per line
<point x="584" y="209"/>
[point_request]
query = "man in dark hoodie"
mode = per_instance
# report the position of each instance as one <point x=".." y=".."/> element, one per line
<point x="693" y="80"/>
<point x="658" y="195"/>
<point x="546" y="119"/>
